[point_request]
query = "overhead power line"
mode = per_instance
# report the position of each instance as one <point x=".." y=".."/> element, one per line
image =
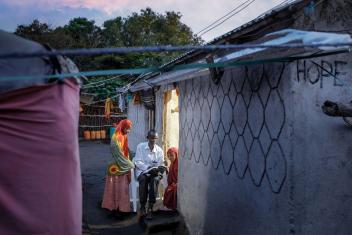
<point x="233" y="13"/>
<point x="248" y="3"/>
<point x="222" y="17"/>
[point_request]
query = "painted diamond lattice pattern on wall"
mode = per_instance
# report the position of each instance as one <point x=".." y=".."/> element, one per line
<point x="236" y="125"/>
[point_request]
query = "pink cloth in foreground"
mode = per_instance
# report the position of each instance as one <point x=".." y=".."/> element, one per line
<point x="40" y="179"/>
<point x="117" y="193"/>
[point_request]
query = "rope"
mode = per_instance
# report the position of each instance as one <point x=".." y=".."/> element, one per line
<point x="99" y="83"/>
<point x="158" y="69"/>
<point x="85" y="126"/>
<point x="97" y="115"/>
<point x="125" y="50"/>
<point x="103" y="100"/>
<point x="87" y="74"/>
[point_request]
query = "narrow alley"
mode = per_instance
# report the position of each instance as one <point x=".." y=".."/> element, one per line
<point x="94" y="159"/>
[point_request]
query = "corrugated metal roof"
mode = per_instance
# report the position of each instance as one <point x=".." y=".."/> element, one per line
<point x="259" y="55"/>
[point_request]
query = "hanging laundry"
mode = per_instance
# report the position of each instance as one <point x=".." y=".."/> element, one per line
<point x="108" y="108"/>
<point x="121" y="103"/>
<point x="137" y="98"/>
<point x="177" y="91"/>
<point x="128" y="97"/>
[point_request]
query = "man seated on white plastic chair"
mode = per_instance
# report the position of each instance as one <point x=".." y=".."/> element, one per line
<point x="149" y="162"/>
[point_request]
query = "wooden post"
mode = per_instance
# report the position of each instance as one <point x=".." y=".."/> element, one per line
<point x="337" y="109"/>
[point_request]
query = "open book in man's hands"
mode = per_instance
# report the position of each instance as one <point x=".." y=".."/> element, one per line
<point x="155" y="170"/>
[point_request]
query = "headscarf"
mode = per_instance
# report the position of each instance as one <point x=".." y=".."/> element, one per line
<point x="173" y="171"/>
<point x="119" y="148"/>
<point x="173" y="150"/>
<point x="123" y="124"/>
<point x="121" y="137"/>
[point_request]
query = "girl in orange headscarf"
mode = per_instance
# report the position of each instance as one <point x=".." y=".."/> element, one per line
<point x="170" y="195"/>
<point x="116" y="193"/>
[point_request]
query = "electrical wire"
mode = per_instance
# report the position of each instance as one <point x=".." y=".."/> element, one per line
<point x="222" y="17"/>
<point x="277" y="6"/>
<point x="227" y="18"/>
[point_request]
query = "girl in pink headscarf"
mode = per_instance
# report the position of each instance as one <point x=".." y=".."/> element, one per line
<point x="170" y="195"/>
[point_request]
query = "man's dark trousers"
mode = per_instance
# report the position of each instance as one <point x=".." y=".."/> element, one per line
<point x="145" y="182"/>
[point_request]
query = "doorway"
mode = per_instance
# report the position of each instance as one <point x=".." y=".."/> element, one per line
<point x="170" y="120"/>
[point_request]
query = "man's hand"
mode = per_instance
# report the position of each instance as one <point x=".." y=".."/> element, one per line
<point x="154" y="172"/>
<point x="161" y="169"/>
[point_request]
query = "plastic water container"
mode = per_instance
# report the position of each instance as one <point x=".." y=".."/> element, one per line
<point x="86" y="135"/>
<point x="92" y="135"/>
<point x="97" y="135"/>
<point x="112" y="131"/>
<point x="103" y="134"/>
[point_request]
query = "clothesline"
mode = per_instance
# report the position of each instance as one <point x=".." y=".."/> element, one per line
<point x="99" y="83"/>
<point x="88" y="126"/>
<point x="125" y="50"/>
<point x="112" y="115"/>
<point x="141" y="71"/>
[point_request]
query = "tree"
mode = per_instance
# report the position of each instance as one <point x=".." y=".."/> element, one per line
<point x="61" y="38"/>
<point x="84" y="32"/>
<point x="112" y="33"/>
<point x="146" y="28"/>
<point x="35" y="31"/>
<point x="58" y="38"/>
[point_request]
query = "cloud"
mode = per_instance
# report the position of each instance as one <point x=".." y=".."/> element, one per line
<point x="106" y="6"/>
<point x="196" y="14"/>
<point x="53" y="17"/>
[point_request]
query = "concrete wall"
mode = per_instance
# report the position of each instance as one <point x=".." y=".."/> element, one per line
<point x="322" y="144"/>
<point x="322" y="148"/>
<point x="234" y="152"/>
<point x="258" y="156"/>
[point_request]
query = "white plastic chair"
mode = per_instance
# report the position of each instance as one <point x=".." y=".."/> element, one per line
<point x="134" y="188"/>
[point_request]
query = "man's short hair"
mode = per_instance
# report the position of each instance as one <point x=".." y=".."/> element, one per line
<point x="152" y="133"/>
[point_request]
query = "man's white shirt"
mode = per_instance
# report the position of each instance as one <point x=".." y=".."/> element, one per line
<point x="145" y="158"/>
